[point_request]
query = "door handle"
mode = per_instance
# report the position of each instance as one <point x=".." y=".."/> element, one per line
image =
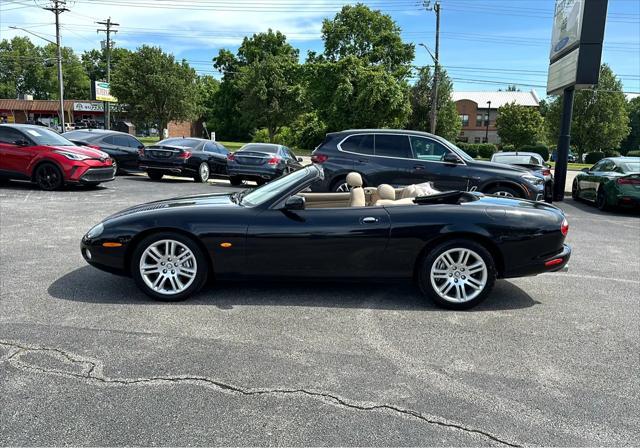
<point x="369" y="220"/>
<point x="363" y="161"/>
<point x="418" y="167"/>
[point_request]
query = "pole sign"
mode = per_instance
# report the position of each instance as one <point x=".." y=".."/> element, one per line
<point x="576" y="44"/>
<point x="103" y="92"/>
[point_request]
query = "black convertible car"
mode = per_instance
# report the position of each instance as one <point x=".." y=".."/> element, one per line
<point x="455" y="244"/>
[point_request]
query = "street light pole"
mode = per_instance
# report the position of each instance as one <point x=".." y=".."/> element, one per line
<point x="108" y="24"/>
<point x="486" y="134"/>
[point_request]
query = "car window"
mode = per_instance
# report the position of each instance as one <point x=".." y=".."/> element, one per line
<point x="597" y="166"/>
<point x="210" y="147"/>
<point x="109" y="140"/>
<point x="393" y="146"/>
<point x="132" y="142"/>
<point x="427" y="149"/>
<point x="259" y="147"/>
<point x="361" y="144"/>
<point x="221" y="149"/>
<point x="605" y="166"/>
<point x="178" y="141"/>
<point x="629" y="167"/>
<point x="291" y="154"/>
<point x="9" y="136"/>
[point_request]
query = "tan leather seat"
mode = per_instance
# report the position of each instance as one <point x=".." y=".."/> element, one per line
<point x="388" y="197"/>
<point x="357" y="198"/>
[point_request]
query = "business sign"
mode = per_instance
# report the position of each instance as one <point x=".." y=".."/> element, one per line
<point x="576" y="44"/>
<point x="103" y="92"/>
<point x="88" y="107"/>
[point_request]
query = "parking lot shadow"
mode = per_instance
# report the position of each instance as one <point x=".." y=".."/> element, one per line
<point x="90" y="285"/>
<point x="590" y="208"/>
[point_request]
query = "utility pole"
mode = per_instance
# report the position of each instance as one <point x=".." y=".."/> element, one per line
<point x="486" y="134"/>
<point x="58" y="7"/>
<point x="108" y="24"/>
<point x="434" y="101"/>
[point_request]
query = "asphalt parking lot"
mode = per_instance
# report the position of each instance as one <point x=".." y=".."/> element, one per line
<point x="87" y="359"/>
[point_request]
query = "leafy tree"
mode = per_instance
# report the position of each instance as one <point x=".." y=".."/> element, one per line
<point x="519" y="125"/>
<point x="600" y="121"/>
<point x="95" y="62"/>
<point x="309" y="130"/>
<point x="76" y="81"/>
<point x="350" y="94"/>
<point x="370" y="36"/>
<point x="448" y="123"/>
<point x="155" y="87"/>
<point x="632" y="142"/>
<point x="510" y="88"/>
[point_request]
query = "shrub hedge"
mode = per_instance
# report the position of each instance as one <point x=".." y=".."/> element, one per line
<point x="538" y="148"/>
<point x="633" y="154"/>
<point x="484" y="150"/>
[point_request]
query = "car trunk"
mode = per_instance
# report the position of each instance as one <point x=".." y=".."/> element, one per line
<point x="253" y="158"/>
<point x="165" y="153"/>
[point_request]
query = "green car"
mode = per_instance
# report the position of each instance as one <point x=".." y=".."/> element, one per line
<point x="612" y="182"/>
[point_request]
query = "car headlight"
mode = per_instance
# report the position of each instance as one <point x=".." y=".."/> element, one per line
<point x="535" y="180"/>
<point x="95" y="231"/>
<point x="72" y="155"/>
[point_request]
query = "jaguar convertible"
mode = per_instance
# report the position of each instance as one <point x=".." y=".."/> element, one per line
<point x="454" y="245"/>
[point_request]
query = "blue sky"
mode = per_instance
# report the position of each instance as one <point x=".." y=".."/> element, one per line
<point x="484" y="45"/>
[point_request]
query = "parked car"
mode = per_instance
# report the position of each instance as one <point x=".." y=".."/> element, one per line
<point x="400" y="157"/>
<point x="571" y="158"/>
<point x="614" y="181"/>
<point x="454" y="243"/>
<point x="30" y="152"/>
<point x="192" y="157"/>
<point x="531" y="161"/>
<point x="121" y="147"/>
<point x="261" y="162"/>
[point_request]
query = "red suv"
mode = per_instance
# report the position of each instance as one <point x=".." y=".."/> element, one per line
<point x="42" y="156"/>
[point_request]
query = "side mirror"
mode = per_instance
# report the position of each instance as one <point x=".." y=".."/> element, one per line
<point x="300" y="159"/>
<point x="21" y="142"/>
<point x="141" y="147"/>
<point x="295" y="203"/>
<point x="451" y="158"/>
<point x="585" y="170"/>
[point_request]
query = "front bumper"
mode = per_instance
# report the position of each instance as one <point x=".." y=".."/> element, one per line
<point x="97" y="175"/>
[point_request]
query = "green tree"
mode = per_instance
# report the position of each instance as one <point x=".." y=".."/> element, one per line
<point x="448" y="123"/>
<point x="632" y="142"/>
<point x="519" y="125"/>
<point x="370" y="36"/>
<point x="95" y="62"/>
<point x="155" y="87"/>
<point x="21" y="68"/>
<point x="350" y="94"/>
<point x="600" y="120"/>
<point x="76" y="81"/>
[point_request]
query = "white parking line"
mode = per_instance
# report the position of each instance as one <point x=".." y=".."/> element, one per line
<point x="593" y="277"/>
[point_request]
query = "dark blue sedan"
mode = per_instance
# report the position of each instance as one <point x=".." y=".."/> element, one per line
<point x="261" y="162"/>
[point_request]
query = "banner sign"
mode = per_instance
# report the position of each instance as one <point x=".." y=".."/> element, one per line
<point x="88" y="107"/>
<point x="103" y="92"/>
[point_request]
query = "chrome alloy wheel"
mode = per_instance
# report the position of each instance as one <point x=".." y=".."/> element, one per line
<point x="343" y="188"/>
<point x="459" y="275"/>
<point x="168" y="267"/>
<point x="204" y="171"/>
<point x="504" y="194"/>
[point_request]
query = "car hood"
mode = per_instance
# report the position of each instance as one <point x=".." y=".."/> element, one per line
<point x="212" y="200"/>
<point x="500" y="166"/>
<point x="82" y="150"/>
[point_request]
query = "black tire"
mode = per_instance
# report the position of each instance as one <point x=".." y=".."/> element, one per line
<point x="575" y="190"/>
<point x="118" y="171"/>
<point x="339" y="185"/>
<point x="504" y="191"/>
<point x="48" y="177"/>
<point x="155" y="175"/>
<point x="202" y="267"/>
<point x="261" y="182"/>
<point x="601" y="200"/>
<point x="235" y="181"/>
<point x="202" y="176"/>
<point x="431" y="257"/>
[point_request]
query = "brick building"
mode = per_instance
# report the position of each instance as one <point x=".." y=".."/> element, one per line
<point x="479" y="109"/>
<point x="46" y="112"/>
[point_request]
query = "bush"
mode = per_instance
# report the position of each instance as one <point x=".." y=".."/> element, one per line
<point x="309" y="131"/>
<point x="261" y="136"/>
<point x="538" y="149"/>
<point x="593" y="157"/>
<point x="486" y="150"/>
<point x="611" y="153"/>
<point x="633" y="154"/>
<point x="507" y="148"/>
<point x="283" y="137"/>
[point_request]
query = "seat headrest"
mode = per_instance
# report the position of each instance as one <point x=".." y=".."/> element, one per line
<point x="386" y="191"/>
<point x="354" y="180"/>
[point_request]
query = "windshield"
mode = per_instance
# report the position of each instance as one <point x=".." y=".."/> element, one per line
<point x="630" y="167"/>
<point x="274" y="188"/>
<point x="517" y="160"/>
<point x="45" y="137"/>
<point x="189" y="142"/>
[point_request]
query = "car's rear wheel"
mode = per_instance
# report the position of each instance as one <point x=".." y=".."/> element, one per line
<point x="203" y="173"/>
<point x="235" y="181"/>
<point x="457" y="274"/>
<point x="169" y="267"/>
<point x="154" y="175"/>
<point x="49" y="177"/>
<point x="601" y="200"/>
<point x="507" y="192"/>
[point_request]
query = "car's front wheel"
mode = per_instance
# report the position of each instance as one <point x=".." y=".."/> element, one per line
<point x="457" y="274"/>
<point x="49" y="177"/>
<point x="235" y="181"/>
<point x="169" y="267"/>
<point x="503" y="191"/>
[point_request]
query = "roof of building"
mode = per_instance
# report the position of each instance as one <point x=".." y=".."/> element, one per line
<point x="34" y="105"/>
<point x="499" y="99"/>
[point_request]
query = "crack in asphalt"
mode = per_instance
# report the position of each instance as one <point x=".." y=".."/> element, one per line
<point x="92" y="370"/>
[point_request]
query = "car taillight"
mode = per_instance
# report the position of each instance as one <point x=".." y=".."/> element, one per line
<point x="185" y="155"/>
<point x="231" y="156"/>
<point x="628" y="181"/>
<point x="319" y="158"/>
<point x="274" y="160"/>
<point x="564" y="228"/>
